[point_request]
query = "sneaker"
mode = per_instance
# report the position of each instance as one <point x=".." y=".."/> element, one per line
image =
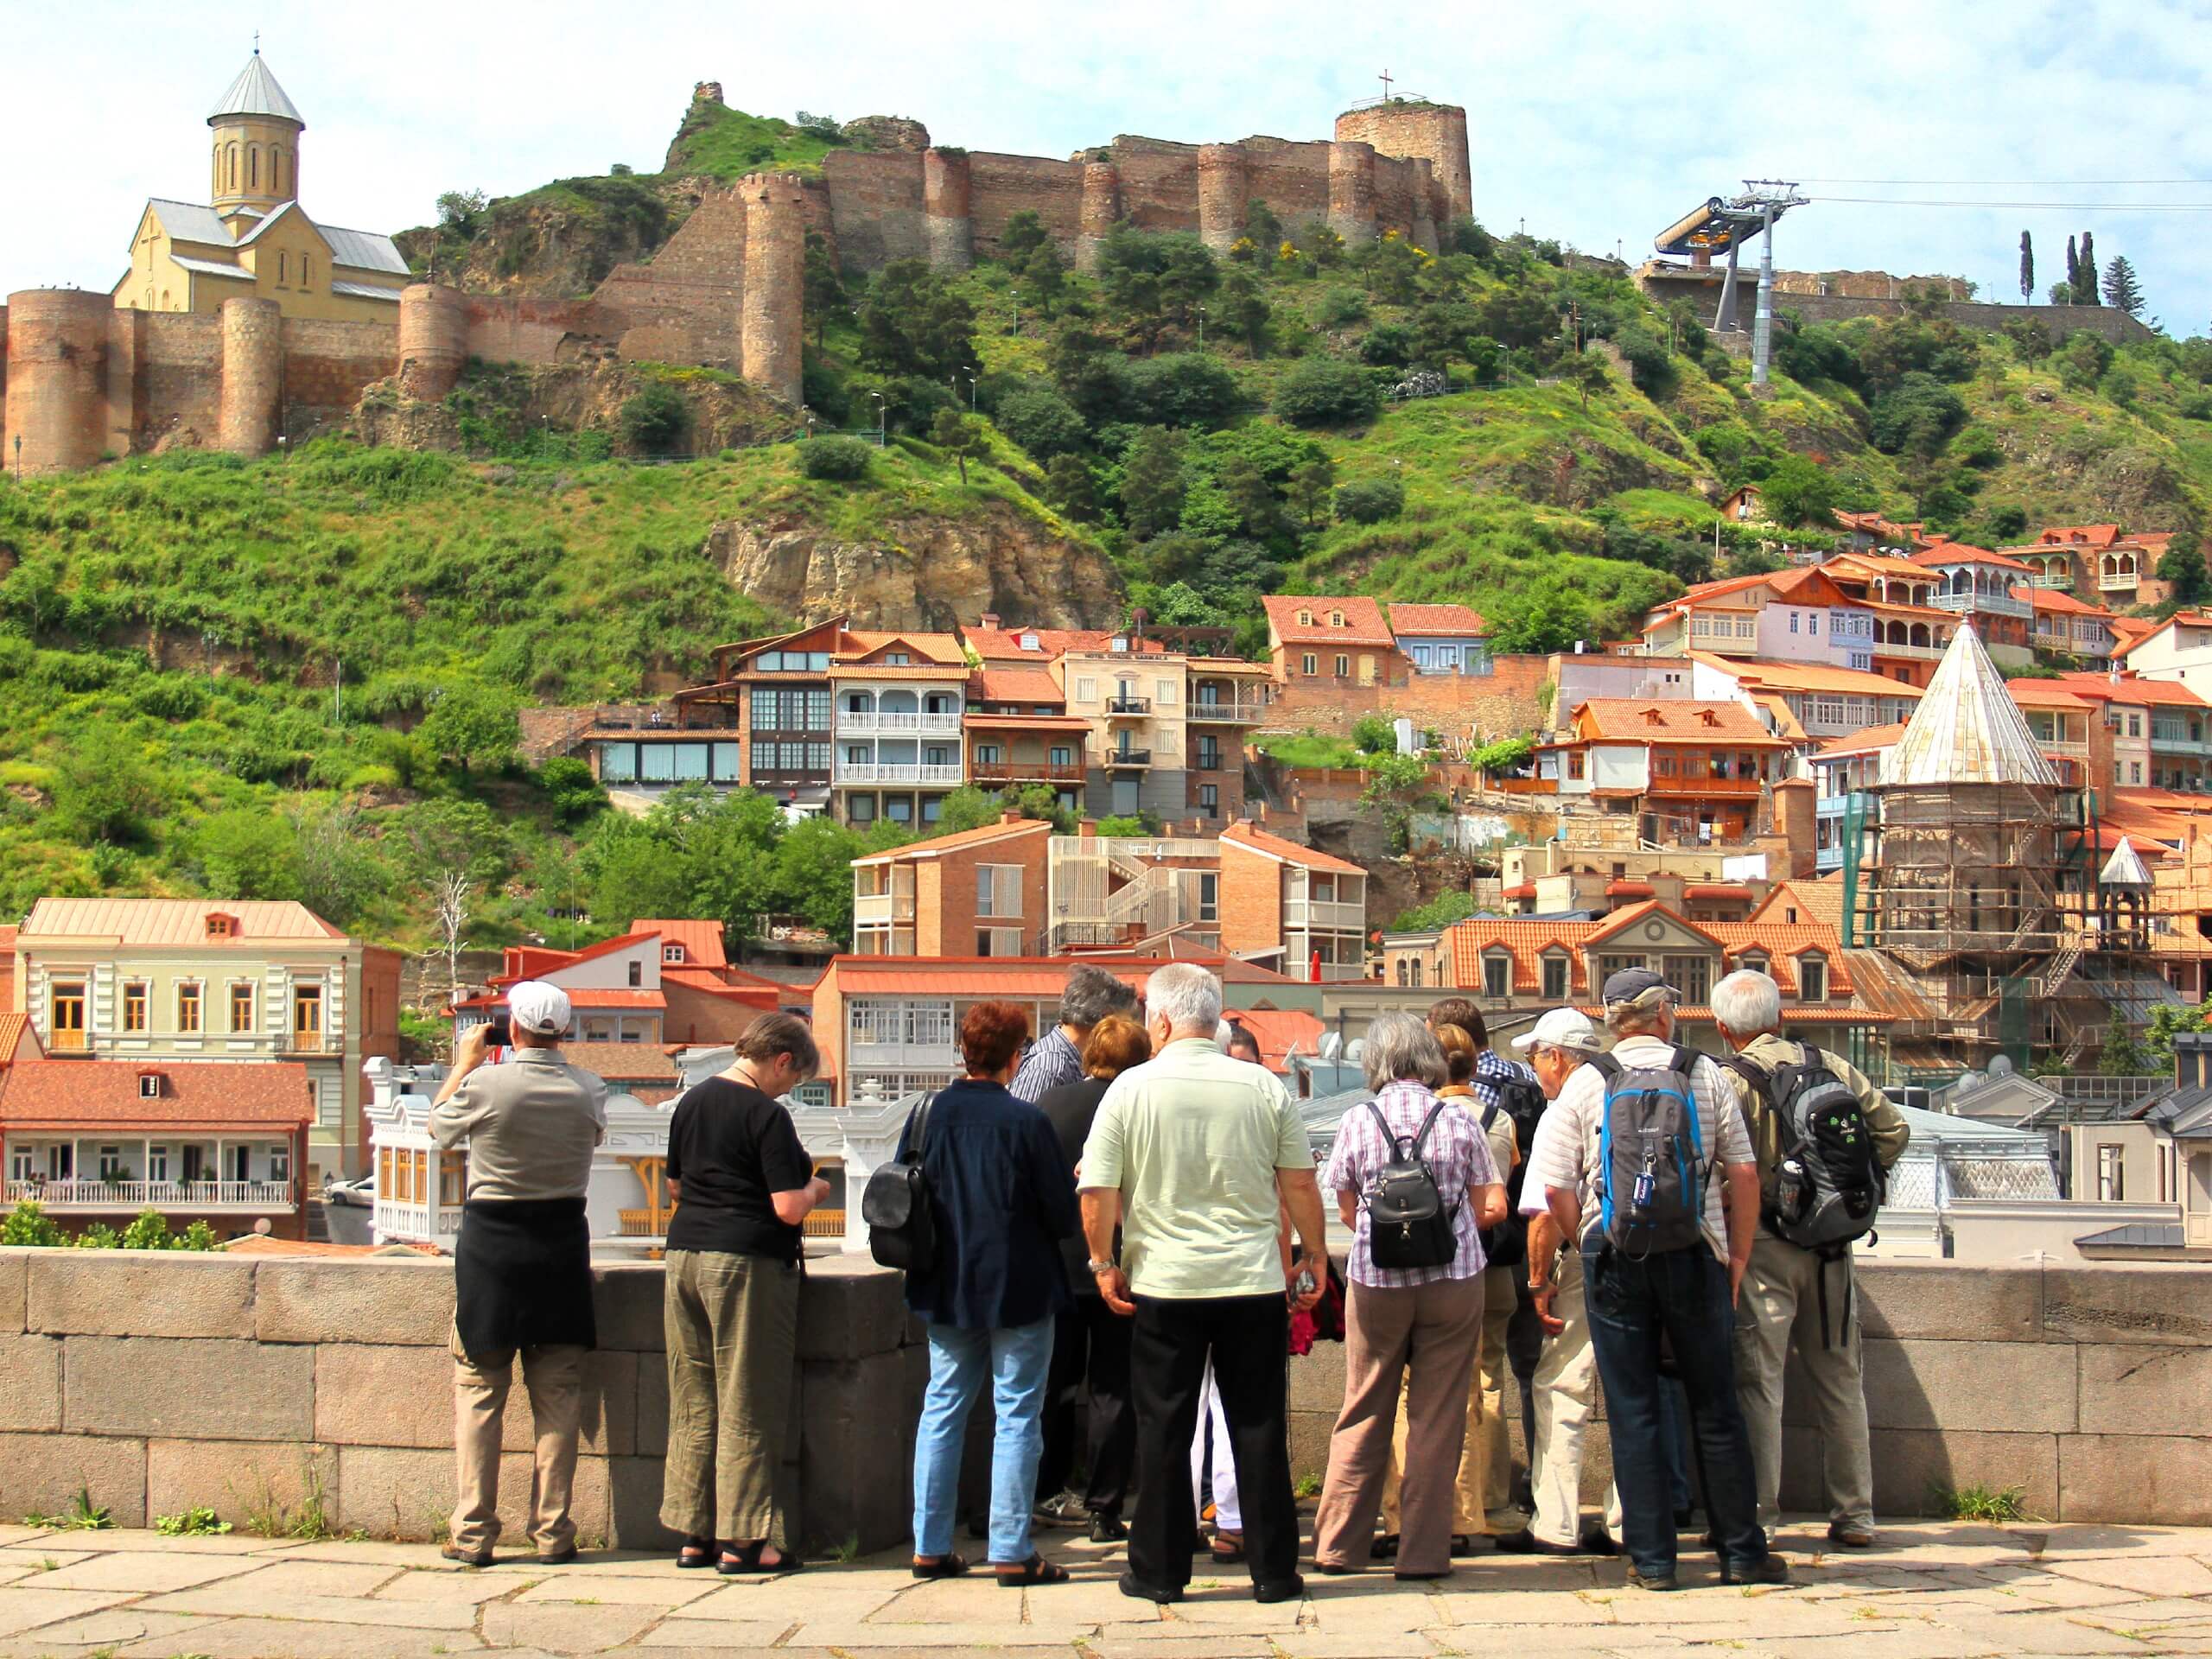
<point x="1107" y="1528"/>
<point x="1768" y="1569"/>
<point x="1060" y="1511"/>
<point x="1852" y="1535"/>
<point x="1660" y="1582"/>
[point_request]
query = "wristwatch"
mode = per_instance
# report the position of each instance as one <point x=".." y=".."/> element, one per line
<point x="1098" y="1267"/>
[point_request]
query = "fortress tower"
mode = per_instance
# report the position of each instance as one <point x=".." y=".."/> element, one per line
<point x="255" y="164"/>
<point x="1416" y="130"/>
<point x="772" y="328"/>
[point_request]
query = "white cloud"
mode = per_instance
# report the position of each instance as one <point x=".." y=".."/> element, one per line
<point x="1595" y="123"/>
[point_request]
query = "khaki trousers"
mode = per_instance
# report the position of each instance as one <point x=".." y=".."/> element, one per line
<point x="1426" y="1336"/>
<point x="1779" y="1309"/>
<point x="732" y="1325"/>
<point x="554" y="1378"/>
<point x="1566" y="1387"/>
<point x="1486" y="1455"/>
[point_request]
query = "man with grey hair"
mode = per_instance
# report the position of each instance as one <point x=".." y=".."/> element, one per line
<point x="1196" y="1157"/>
<point x="1056" y="1058"/>
<point x="1643" y="1296"/>
<point x="1787" y="1288"/>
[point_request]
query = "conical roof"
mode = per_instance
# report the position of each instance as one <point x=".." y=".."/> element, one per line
<point x="2125" y="868"/>
<point x="255" y="93"/>
<point x="1967" y="729"/>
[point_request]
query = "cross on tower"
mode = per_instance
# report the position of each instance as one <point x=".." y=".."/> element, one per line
<point x="257" y="42"/>
<point x="1386" y="77"/>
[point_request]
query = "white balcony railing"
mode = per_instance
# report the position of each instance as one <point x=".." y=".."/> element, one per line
<point x="1926" y="653"/>
<point x="1314" y="912"/>
<point x="162" y="1195"/>
<point x="883" y="907"/>
<point x="867" y="721"/>
<point x="1233" y="714"/>
<point x="893" y="772"/>
<point x="2126" y="582"/>
<point x="1994" y="604"/>
<point x="390" y="1220"/>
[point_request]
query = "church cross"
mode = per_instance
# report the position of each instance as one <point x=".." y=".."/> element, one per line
<point x="1385" y="78"/>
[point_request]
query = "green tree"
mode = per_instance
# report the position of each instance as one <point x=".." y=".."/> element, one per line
<point x="339" y="871"/>
<point x="1245" y="310"/>
<point x="1586" y="372"/>
<point x="2082" y="360"/>
<point x="2073" y="273"/>
<point x="2167" y="1022"/>
<point x="1371" y="500"/>
<point x="1068" y="487"/>
<point x="472" y="724"/>
<point x="814" y="874"/>
<point x="1799" y="492"/>
<point x="956" y="435"/>
<point x="1152" y="484"/>
<point x="1248" y="495"/>
<point x="1024" y="233"/>
<point x="458" y="210"/>
<point x="2031" y="341"/>
<point x="2121" y="1055"/>
<point x="1041" y="421"/>
<point x="2122" y="290"/>
<point x="249" y="853"/>
<point x="1444" y="333"/>
<point x="1312" y="485"/>
<point x="2184" y="567"/>
<point x="836" y="457"/>
<point x="1152" y="279"/>
<point x="1507" y="754"/>
<point x="1045" y="277"/>
<point x="1261" y="228"/>
<point x="28" y="1223"/>
<point x="1396" y="784"/>
<point x="1372" y="734"/>
<point x="2085" y="285"/>
<point x="1439" y="913"/>
<point x="655" y="418"/>
<point x="914" y="321"/>
<point x="569" y="788"/>
<point x="821" y="290"/>
<point x="1916" y="417"/>
<point x="148" y="1231"/>
<point x="103" y="790"/>
<point x="2027" y="268"/>
<point x="1326" y="391"/>
<point x="967" y="808"/>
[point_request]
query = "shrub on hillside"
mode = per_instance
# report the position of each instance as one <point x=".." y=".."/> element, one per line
<point x="836" y="457"/>
<point x="1388" y="344"/>
<point x="1180" y="389"/>
<point x="1326" y="391"/>
<point x="655" y="418"/>
<point x="1342" y="305"/>
<point x="1041" y="421"/>
<point x="1370" y="500"/>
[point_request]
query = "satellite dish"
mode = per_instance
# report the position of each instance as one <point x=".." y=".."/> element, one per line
<point x="2001" y="1066"/>
<point x="1331" y="1046"/>
<point x="1354" y="1049"/>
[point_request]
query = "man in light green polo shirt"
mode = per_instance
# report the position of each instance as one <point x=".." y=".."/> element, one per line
<point x="1197" y="1157"/>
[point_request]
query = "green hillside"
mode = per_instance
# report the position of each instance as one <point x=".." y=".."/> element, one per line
<point x="1216" y="428"/>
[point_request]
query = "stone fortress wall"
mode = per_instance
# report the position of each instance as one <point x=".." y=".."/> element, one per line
<point x="80" y="380"/>
<point x="163" y="1382"/>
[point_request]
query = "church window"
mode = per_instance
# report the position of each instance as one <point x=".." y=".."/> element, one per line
<point x="284" y="268"/>
<point x="253" y="166"/>
<point x="276" y="171"/>
<point x="303" y="270"/>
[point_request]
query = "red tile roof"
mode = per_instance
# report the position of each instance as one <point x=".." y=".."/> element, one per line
<point x="1362" y="621"/>
<point x="1242" y="834"/>
<point x="995" y="645"/>
<point x="215" y="1095"/>
<point x="2051" y="599"/>
<point x="2102" y="688"/>
<point x="1526" y="940"/>
<point x="622" y="1062"/>
<point x="1631" y="719"/>
<point x="1280" y="1032"/>
<point x="2042" y="694"/>
<point x="174" y="921"/>
<point x="938" y="846"/>
<point x="1429" y="621"/>
<point x="701" y="940"/>
<point x="1029" y="685"/>
<point x="1966" y="553"/>
<point x="18" y="1039"/>
<point x="1874" y="737"/>
<point x="2077" y="536"/>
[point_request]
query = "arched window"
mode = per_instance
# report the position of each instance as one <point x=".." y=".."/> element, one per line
<point x="304" y="259"/>
<point x="276" y="171"/>
<point x="253" y="166"/>
<point x="234" y="167"/>
<point x="284" y="268"/>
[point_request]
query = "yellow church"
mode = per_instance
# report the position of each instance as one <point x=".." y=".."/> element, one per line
<point x="253" y="239"/>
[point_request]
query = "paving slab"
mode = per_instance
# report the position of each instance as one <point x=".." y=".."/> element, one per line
<point x="565" y="1628"/>
<point x="612" y="1589"/>
<point x="286" y="1638"/>
<point x="1182" y="1647"/>
<point x="1543" y="1608"/>
<point x="239" y="1598"/>
<point x="26" y="1610"/>
<point x="875" y="1639"/>
<point x="699" y="1635"/>
<point x="458" y="1587"/>
<point x="838" y="1598"/>
<point x="2044" y="1633"/>
<point x="141" y="1573"/>
<point x="113" y="1628"/>
<point x="2165" y="1575"/>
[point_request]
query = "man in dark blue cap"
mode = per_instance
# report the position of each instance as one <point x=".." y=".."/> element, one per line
<point x="1629" y="1171"/>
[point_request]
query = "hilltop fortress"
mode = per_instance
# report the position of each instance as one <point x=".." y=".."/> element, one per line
<point x="223" y="348"/>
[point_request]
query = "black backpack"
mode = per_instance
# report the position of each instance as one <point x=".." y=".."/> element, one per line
<point x="1408" y="1224"/>
<point x="1522" y="1099"/>
<point x="897" y="1206"/>
<point x="1651" y="1163"/>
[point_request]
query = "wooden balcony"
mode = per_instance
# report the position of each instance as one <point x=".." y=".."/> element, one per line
<point x="1024" y="771"/>
<point x="1705" y="788"/>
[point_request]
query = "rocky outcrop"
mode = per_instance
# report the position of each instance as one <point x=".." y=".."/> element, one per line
<point x="506" y="401"/>
<point x="923" y="572"/>
<point x="886" y="132"/>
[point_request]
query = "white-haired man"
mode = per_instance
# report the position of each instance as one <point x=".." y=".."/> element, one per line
<point x="1793" y="1295"/>
<point x="1195" y="1155"/>
<point x="521" y="1263"/>
<point x="1642" y="1133"/>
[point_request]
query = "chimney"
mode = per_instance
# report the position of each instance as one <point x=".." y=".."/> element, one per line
<point x="1087" y="829"/>
<point x="1010" y="816"/>
<point x="990" y="620"/>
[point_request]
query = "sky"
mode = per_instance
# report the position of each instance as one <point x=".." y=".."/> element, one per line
<point x="1596" y="123"/>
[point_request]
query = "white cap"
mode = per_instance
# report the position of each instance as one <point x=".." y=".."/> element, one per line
<point x="538" y="1008"/>
<point x="1561" y="1028"/>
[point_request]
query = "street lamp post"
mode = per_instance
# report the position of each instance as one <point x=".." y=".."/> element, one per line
<point x="881" y="418"/>
<point x="19" y="457"/>
<point x="968" y="369"/>
<point x="1202" y="327"/>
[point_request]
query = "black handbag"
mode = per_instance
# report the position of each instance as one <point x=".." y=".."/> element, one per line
<point x="896" y="1205"/>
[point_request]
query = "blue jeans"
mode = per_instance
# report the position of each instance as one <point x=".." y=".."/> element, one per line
<point x="1675" y="1425"/>
<point x="1684" y="1293"/>
<point x="1017" y="1359"/>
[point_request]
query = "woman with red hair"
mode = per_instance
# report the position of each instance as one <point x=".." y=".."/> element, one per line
<point x="1004" y="1198"/>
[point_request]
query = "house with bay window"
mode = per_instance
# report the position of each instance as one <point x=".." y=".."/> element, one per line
<point x="175" y="982"/>
<point x="978" y="892"/>
<point x="95" y="1141"/>
<point x="898" y="700"/>
<point x="662" y="982"/>
<point x="1690" y="771"/>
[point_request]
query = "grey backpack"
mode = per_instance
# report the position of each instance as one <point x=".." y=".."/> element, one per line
<point x="1651" y="1167"/>
<point x="1827" y="1185"/>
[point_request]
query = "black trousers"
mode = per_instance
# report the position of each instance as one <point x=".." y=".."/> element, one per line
<point x="1090" y="1356"/>
<point x="1248" y="1339"/>
<point x="1524" y="1346"/>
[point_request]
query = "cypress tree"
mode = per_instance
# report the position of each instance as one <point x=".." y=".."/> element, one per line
<point x="2073" y="267"/>
<point x="2027" y="268"/>
<point x="2085" y="292"/>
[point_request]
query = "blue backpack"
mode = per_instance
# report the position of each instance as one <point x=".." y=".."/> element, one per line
<point x="1651" y="1169"/>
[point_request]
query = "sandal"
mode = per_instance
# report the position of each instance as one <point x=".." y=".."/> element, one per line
<point x="1385" y="1548"/>
<point x="696" y="1552"/>
<point x="1035" y="1570"/>
<point x="1233" y="1554"/>
<point x="739" y="1559"/>
<point x="946" y="1567"/>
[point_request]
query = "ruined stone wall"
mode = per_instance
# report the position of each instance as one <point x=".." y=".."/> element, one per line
<point x="327" y="365"/>
<point x="176" y="376"/>
<point x="1292" y="178"/>
<point x="875" y="203"/>
<point x="1159" y="183"/>
<point x="1001" y="185"/>
<point x="1501" y="703"/>
<point x="253" y="376"/>
<point x="1435" y="131"/>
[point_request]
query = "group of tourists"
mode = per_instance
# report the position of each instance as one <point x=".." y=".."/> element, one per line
<point x="1118" y="1223"/>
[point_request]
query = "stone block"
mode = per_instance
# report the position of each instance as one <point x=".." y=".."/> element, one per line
<point x="404" y="1396"/>
<point x="1309" y="1442"/>
<point x="626" y="1301"/>
<point x="407" y="1492"/>
<point x="2129" y="1389"/>
<point x="1912" y="1465"/>
<point x="179" y="1388"/>
<point x="2125" y="1302"/>
<point x="137" y="1294"/>
<point x="42" y="1474"/>
<point x="238" y="1481"/>
<point x="652" y="1431"/>
<point x="1942" y="1300"/>
<point x="2016" y="1388"/>
<point x="14" y="1278"/>
<point x="30" y="1381"/>
<point x="389" y="1301"/>
<point x="2164" y="1479"/>
<point x="850" y="1308"/>
<point x="856" y="1451"/>
<point x="633" y="1501"/>
<point x="1317" y="1379"/>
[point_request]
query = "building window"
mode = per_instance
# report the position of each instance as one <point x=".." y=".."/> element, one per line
<point x="637" y="975"/>
<point x="1344" y="666"/>
<point x="1405" y="976"/>
<point x="1209" y="752"/>
<point x="1417" y="975"/>
<point x="280" y="1165"/>
<point x="1210" y="799"/>
<point x="1811" y="980"/>
<point x="1209" y="897"/>
<point x="899" y="809"/>
<point x="998" y="890"/>
<point x="187" y="1010"/>
<point x="1309" y="664"/>
<point x="111" y="1167"/>
<point x="2112" y="1175"/>
<point x="1692" y="976"/>
<point x="1574" y="763"/>
<point x="1497" y="975"/>
<point x="1608" y="966"/>
<point x="1555" y="967"/>
<point x="157" y="1163"/>
<point x="241" y="1009"/>
<point x="306" y="1016"/>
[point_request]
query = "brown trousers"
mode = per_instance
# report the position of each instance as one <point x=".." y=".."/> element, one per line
<point x="554" y="1378"/>
<point x="732" y="1326"/>
<point x="1426" y="1336"/>
<point x="1486" y="1455"/>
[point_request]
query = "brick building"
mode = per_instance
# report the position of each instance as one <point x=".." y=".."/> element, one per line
<point x="1303" y="911"/>
<point x="1691" y="771"/>
<point x="663" y="983"/>
<point x="1343" y="640"/>
<point x="974" y="893"/>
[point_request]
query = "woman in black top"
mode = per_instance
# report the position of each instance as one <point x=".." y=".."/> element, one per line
<point x="743" y="1184"/>
<point x="1092" y="1345"/>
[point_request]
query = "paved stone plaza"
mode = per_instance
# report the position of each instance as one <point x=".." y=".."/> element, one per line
<point x="1933" y="1592"/>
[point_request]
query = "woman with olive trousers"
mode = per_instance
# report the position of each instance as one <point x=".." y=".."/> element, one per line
<point x="743" y="1184"/>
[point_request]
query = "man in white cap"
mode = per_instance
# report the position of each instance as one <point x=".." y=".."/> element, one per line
<point x="1558" y="1045"/>
<point x="522" y="1265"/>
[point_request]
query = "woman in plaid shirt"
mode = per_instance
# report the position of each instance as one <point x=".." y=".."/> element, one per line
<point x="1418" y="1325"/>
